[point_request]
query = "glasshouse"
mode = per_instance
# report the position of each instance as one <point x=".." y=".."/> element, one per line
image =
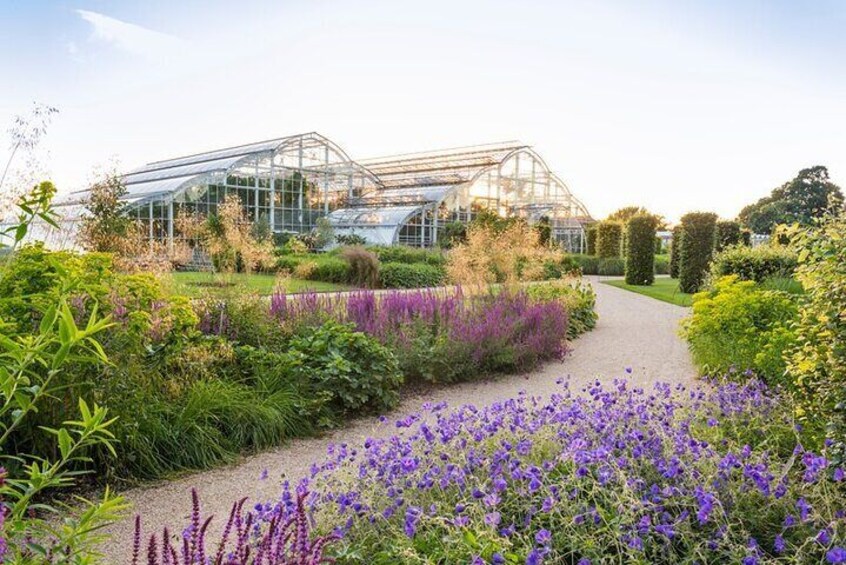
<point x="291" y="182"/>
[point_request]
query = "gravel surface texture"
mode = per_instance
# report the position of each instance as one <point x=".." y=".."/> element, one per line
<point x="633" y="331"/>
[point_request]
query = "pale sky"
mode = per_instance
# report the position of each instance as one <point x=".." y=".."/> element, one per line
<point x="675" y="105"/>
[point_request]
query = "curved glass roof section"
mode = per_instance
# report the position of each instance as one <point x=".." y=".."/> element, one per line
<point x="508" y="177"/>
<point x="310" y="152"/>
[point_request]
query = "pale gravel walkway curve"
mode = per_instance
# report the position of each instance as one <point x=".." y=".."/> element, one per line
<point x="633" y="331"/>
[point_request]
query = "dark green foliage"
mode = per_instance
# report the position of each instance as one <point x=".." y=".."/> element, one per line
<point x="331" y="269"/>
<point x="640" y="258"/>
<point x="453" y="234"/>
<point x="590" y="232"/>
<point x="659" y="245"/>
<point x="697" y="249"/>
<point x="728" y="233"/>
<point x="356" y="370"/>
<point x="591" y="265"/>
<point x="675" y="251"/>
<point x="410" y="275"/>
<point x="801" y="200"/>
<point x="567" y="265"/>
<point x="609" y="236"/>
<point x="544" y="230"/>
<point x="404" y="254"/>
<point x="350" y="239"/>
<point x="662" y="265"/>
<point x="754" y="263"/>
<point x="364" y="267"/>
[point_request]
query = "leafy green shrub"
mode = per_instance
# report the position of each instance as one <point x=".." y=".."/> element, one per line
<point x="662" y="265"/>
<point x="738" y="326"/>
<point x="675" y="251"/>
<point x="556" y="268"/>
<point x="728" y="233"/>
<point x="818" y="364"/>
<point x="359" y="373"/>
<point x="579" y="299"/>
<point x="640" y="258"/>
<point x="364" y="266"/>
<point x="697" y="249"/>
<point x="590" y="265"/>
<point x="410" y="275"/>
<point x="350" y="239"/>
<point x="331" y="269"/>
<point x="609" y="235"/>
<point x="754" y="263"/>
<point x="590" y="235"/>
<point x="405" y="254"/>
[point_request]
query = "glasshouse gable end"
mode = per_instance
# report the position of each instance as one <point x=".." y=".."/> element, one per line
<point x="291" y="182"/>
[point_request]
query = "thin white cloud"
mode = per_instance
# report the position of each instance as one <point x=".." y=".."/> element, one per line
<point x="129" y="37"/>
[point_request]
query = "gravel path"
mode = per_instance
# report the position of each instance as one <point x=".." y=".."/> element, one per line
<point x="633" y="331"/>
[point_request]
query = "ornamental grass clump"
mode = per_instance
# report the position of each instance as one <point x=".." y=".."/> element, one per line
<point x="611" y="474"/>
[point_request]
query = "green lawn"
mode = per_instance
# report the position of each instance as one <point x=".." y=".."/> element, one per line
<point x="664" y="288"/>
<point x="196" y="285"/>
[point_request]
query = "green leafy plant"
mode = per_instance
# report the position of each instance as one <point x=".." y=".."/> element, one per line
<point x="31" y="365"/>
<point x="590" y="235"/>
<point x="675" y="251"/>
<point x="755" y="263"/>
<point x="818" y="364"/>
<point x="357" y="371"/>
<point x="410" y="275"/>
<point x="640" y="258"/>
<point x="728" y="233"/>
<point x="737" y="326"/>
<point x="609" y="236"/>
<point x="696" y="250"/>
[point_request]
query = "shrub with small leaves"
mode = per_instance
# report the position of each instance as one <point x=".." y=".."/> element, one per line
<point x="728" y="233"/>
<point x="754" y="263"/>
<point x="697" y="249"/>
<point x="609" y="235"/>
<point x="640" y="259"/>
<point x="590" y="234"/>
<point x="675" y="250"/>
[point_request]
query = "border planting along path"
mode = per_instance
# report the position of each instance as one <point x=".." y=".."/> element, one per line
<point x="633" y="331"/>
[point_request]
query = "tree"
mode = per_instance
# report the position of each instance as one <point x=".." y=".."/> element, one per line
<point x="808" y="196"/>
<point x="626" y="213"/>
<point x="105" y="227"/>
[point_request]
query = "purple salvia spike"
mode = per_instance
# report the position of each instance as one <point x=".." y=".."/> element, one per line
<point x="151" y="551"/>
<point x="218" y="560"/>
<point x="136" y="540"/>
<point x="201" y="541"/>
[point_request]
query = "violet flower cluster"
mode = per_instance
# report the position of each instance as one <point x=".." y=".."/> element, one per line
<point x="613" y="474"/>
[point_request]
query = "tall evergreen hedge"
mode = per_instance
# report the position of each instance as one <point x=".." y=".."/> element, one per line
<point x="640" y="252"/>
<point x="590" y="232"/>
<point x="609" y="236"/>
<point x="675" y="247"/>
<point x="697" y="249"/>
<point x="728" y="233"/>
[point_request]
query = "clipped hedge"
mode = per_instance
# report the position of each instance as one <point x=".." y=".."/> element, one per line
<point x="330" y="269"/>
<point x="754" y="264"/>
<point x="696" y="250"/>
<point x="592" y="265"/>
<point x="729" y="233"/>
<point x="404" y="254"/>
<point x="609" y="237"/>
<point x="640" y="256"/>
<point x="590" y="234"/>
<point x="410" y="275"/>
<point x="675" y="246"/>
